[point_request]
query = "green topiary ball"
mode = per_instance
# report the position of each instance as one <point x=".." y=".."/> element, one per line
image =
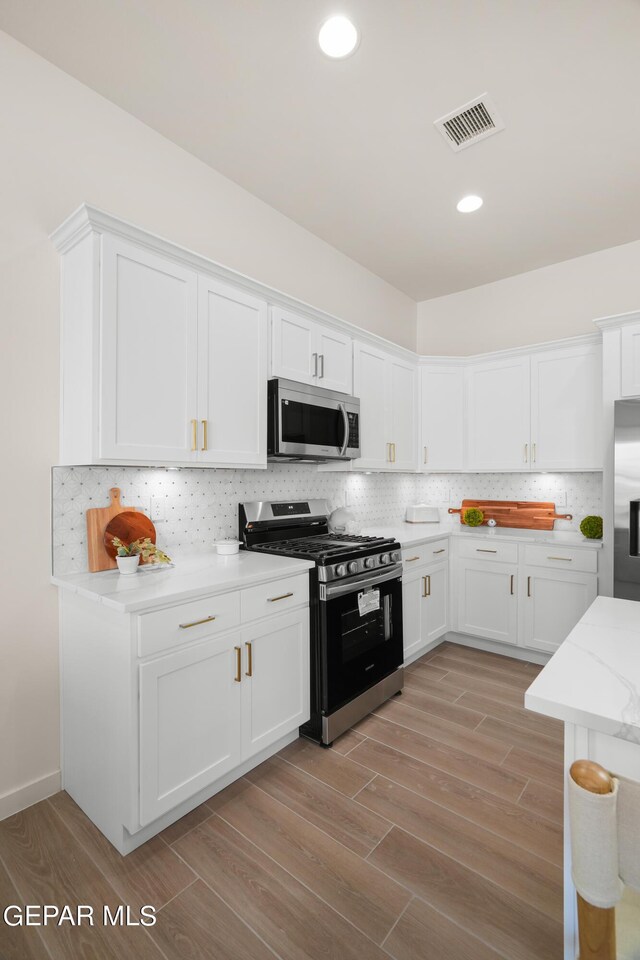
<point x="473" y="517"/>
<point x="591" y="528"/>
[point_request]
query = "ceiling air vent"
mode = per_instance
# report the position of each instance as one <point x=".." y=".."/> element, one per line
<point x="475" y="121"/>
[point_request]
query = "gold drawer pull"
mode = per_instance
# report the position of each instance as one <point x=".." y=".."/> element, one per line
<point x="238" y="676"/>
<point x="566" y="559"/>
<point x="284" y="596"/>
<point x="411" y="559"/>
<point x="195" y="623"/>
<point x="483" y="550"/>
<point x="249" y="672"/>
<point x="440" y="551"/>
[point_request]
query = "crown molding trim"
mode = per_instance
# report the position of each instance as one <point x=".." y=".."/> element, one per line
<point x="617" y="321"/>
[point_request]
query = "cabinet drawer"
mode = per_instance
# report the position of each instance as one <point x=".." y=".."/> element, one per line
<point x="479" y="549"/>
<point x="561" y="558"/>
<point x="168" y="628"/>
<point x="425" y="553"/>
<point x="274" y="597"/>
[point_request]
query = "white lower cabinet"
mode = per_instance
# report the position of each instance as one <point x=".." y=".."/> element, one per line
<point x="425" y="607"/>
<point x="487" y="600"/>
<point x="190" y="732"/>
<point x="275" y="681"/>
<point x="552" y="603"/>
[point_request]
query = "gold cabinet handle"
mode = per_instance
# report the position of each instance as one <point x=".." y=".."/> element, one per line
<point x="528" y="586"/>
<point x="249" y="647"/>
<point x="424" y="455"/>
<point x="283" y="596"/>
<point x="194" y="435"/>
<point x="484" y="550"/>
<point x="533" y="453"/>
<point x="388" y="453"/>
<point x="428" y="579"/>
<point x="512" y="579"/>
<point x="442" y="550"/>
<point x="394" y="452"/>
<point x="238" y="676"/>
<point x="526" y="453"/>
<point x="205" y="443"/>
<point x="424" y="586"/>
<point x="566" y="559"/>
<point x="411" y="559"/>
<point x="195" y="623"/>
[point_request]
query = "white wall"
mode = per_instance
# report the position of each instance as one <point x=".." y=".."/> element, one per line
<point x="62" y="144"/>
<point x="546" y="304"/>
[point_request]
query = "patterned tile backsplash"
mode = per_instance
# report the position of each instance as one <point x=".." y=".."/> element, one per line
<point x="193" y="507"/>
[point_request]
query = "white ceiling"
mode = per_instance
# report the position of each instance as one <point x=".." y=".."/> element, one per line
<point x="348" y="148"/>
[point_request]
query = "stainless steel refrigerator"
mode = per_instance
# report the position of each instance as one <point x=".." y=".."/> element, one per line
<point x="626" y="559"/>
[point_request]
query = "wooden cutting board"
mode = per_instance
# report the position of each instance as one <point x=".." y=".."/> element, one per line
<point x="97" y="521"/>
<point x="519" y="514"/>
<point x="128" y="526"/>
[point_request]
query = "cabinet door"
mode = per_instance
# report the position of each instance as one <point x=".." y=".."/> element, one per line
<point x="441" y="418"/>
<point x="553" y="601"/>
<point x="335" y="360"/>
<point x="412" y="620"/>
<point x="566" y="409"/>
<point x="276" y="681"/>
<point x="232" y="376"/>
<point x="293" y="352"/>
<point x="190" y="715"/>
<point x="148" y="356"/>
<point x="498" y="406"/>
<point x="435" y="603"/>
<point x="371" y="376"/>
<point x="630" y="354"/>
<point x="487" y="600"/>
<point x="403" y="378"/>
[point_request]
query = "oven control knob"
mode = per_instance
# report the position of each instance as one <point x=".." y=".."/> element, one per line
<point x="340" y="570"/>
<point x="370" y="562"/>
<point x="395" y="556"/>
<point x="352" y="567"/>
<point x="384" y="558"/>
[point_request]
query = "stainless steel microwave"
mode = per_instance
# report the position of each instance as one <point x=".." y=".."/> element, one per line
<point x="308" y="423"/>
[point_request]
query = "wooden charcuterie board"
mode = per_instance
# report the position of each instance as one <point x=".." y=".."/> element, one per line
<point x="97" y="521"/>
<point x="518" y="514"/>
<point x="128" y="526"/>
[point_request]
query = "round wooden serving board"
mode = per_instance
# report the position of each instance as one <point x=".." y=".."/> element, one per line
<point x="128" y="526"/>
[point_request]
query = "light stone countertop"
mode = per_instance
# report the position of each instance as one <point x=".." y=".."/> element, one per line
<point x="198" y="575"/>
<point x="411" y="534"/>
<point x="593" y="679"/>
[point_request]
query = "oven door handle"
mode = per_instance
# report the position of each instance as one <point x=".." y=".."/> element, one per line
<point x="359" y="583"/>
<point x="345" y="417"/>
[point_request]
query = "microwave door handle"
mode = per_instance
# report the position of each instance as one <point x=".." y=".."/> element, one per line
<point x="343" y="411"/>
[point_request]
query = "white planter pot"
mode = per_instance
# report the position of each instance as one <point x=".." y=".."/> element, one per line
<point x="128" y="565"/>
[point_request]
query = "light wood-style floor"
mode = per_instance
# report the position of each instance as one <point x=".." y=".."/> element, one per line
<point x="432" y="831"/>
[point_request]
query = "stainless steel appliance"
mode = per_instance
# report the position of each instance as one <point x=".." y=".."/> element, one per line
<point x="355" y="607"/>
<point x="310" y="423"/>
<point x="626" y="536"/>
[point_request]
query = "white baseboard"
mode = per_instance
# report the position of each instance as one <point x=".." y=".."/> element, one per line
<point x="30" y="793"/>
<point x="493" y="646"/>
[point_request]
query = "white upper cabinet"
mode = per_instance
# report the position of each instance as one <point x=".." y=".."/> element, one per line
<point x="630" y="360"/>
<point x="387" y="388"/>
<point x="442" y="419"/>
<point x="232" y="373"/>
<point x="498" y="417"/>
<point x="148" y="356"/>
<point x="566" y="408"/>
<point x="309" y="352"/>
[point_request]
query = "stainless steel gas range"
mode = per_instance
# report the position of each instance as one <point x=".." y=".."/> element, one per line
<point x="355" y="608"/>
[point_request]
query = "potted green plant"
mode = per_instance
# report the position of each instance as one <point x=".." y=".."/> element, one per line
<point x="128" y="555"/>
<point x="473" y="517"/>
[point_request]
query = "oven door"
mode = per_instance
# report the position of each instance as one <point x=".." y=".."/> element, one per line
<point x="311" y="423"/>
<point x="360" y="635"/>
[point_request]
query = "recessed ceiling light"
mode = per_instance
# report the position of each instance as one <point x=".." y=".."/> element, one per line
<point x="338" y="37"/>
<point x="469" y="204"/>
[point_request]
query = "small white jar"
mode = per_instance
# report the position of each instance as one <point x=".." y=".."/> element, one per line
<point x="128" y="565"/>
